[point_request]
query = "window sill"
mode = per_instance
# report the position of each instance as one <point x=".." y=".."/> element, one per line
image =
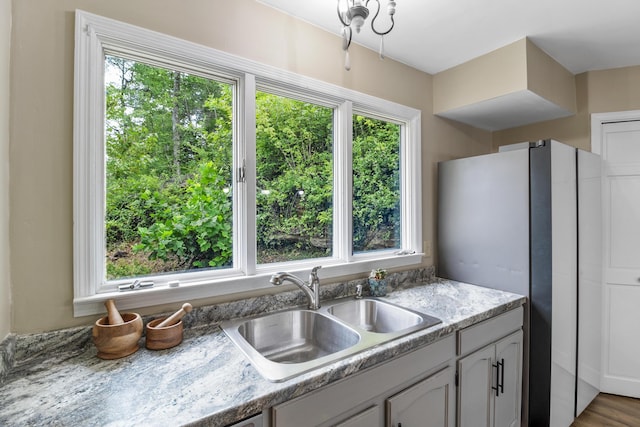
<point x="331" y="271"/>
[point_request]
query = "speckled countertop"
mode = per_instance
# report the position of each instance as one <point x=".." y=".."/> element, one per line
<point x="57" y="379"/>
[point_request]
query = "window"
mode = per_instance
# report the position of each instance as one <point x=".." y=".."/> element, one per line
<point x="294" y="167"/>
<point x="169" y="140"/>
<point x="203" y="170"/>
<point x="376" y="184"/>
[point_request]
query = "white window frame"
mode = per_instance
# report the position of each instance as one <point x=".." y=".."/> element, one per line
<point x="96" y="35"/>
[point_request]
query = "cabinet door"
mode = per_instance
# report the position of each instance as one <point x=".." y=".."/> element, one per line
<point x="250" y="422"/>
<point x="367" y="418"/>
<point x="476" y="377"/>
<point x="425" y="404"/>
<point x="507" y="402"/>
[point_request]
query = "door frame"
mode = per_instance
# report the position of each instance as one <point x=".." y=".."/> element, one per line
<point x="598" y="120"/>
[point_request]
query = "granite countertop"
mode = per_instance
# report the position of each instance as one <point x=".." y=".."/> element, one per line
<point x="58" y="380"/>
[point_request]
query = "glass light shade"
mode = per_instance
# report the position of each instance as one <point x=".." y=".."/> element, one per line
<point x="357" y="22"/>
<point x="358" y="14"/>
<point x="391" y="7"/>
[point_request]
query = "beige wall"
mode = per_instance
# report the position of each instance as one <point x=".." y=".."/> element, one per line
<point x="42" y="119"/>
<point x="5" y="277"/>
<point x="498" y="73"/>
<point x="549" y="79"/>
<point x="596" y="92"/>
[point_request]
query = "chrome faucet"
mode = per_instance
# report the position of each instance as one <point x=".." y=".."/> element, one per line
<point x="311" y="289"/>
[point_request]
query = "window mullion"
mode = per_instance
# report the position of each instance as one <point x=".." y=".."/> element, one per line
<point x="343" y="179"/>
<point x="245" y="239"/>
<point x="411" y="167"/>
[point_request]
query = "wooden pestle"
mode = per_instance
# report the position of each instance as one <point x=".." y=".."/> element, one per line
<point x="112" y="313"/>
<point x="175" y="317"/>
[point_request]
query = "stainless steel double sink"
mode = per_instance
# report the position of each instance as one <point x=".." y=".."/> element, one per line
<point x="285" y="344"/>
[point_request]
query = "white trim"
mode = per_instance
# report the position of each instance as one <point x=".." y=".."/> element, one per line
<point x="599" y="119"/>
<point x="412" y="219"/>
<point x="94" y="304"/>
<point x="94" y="36"/>
<point x="343" y="183"/>
<point x="247" y="159"/>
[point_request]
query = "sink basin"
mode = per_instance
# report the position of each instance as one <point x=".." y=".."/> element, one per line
<point x="376" y="316"/>
<point x="297" y="336"/>
<point x="288" y="343"/>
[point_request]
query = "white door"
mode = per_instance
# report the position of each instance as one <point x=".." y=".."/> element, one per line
<point x="620" y="149"/>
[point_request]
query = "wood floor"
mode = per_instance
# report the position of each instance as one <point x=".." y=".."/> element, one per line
<point x="608" y="410"/>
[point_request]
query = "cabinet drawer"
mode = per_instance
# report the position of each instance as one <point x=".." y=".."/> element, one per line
<point x="478" y="336"/>
<point x="323" y="405"/>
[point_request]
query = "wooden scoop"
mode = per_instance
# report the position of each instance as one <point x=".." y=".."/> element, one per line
<point x="175" y="317"/>
<point x="112" y="313"/>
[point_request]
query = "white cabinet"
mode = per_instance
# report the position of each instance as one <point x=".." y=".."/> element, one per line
<point x="424" y="376"/>
<point x="507" y="403"/>
<point x="475" y="397"/>
<point x="367" y="418"/>
<point x="255" y="421"/>
<point x="490" y="385"/>
<point x="418" y="388"/>
<point x="425" y="404"/>
<point x="490" y="378"/>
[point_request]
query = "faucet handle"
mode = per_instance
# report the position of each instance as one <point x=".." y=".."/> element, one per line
<point x="314" y="272"/>
<point x="358" y="291"/>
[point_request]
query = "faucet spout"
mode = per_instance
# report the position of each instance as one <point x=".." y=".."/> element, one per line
<point x="311" y="289"/>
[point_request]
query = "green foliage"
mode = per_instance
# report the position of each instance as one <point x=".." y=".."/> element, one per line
<point x="197" y="230"/>
<point x="160" y="127"/>
<point x="294" y="149"/>
<point x="376" y="184"/>
<point x="169" y="151"/>
<point x="127" y="268"/>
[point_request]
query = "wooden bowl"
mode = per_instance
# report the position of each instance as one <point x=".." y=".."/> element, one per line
<point x="163" y="338"/>
<point x="116" y="341"/>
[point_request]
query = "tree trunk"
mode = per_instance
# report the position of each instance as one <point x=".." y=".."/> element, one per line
<point x="174" y="124"/>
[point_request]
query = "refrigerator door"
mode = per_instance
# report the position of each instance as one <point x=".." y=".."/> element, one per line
<point x="589" y="278"/>
<point x="564" y="235"/>
<point x="483" y="220"/>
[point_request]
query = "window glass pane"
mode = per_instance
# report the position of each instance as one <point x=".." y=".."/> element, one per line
<point x="294" y="167"/>
<point x="168" y="170"/>
<point x="376" y="184"/>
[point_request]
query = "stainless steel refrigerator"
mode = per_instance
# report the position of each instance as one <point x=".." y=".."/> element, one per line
<point x="527" y="220"/>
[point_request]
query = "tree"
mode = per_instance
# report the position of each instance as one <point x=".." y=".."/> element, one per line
<point x="376" y="186"/>
<point x="163" y="129"/>
<point x="294" y="150"/>
<point x="169" y="147"/>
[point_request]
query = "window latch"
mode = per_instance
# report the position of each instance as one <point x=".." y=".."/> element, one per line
<point x="137" y="284"/>
<point x="405" y="252"/>
<point x="242" y="172"/>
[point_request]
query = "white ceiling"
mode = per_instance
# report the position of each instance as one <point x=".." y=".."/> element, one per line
<point x="434" y="35"/>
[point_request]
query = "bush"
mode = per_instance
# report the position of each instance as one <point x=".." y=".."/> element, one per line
<point x="197" y="231"/>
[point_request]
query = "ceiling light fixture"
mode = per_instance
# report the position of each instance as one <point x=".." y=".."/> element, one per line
<point x="353" y="13"/>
